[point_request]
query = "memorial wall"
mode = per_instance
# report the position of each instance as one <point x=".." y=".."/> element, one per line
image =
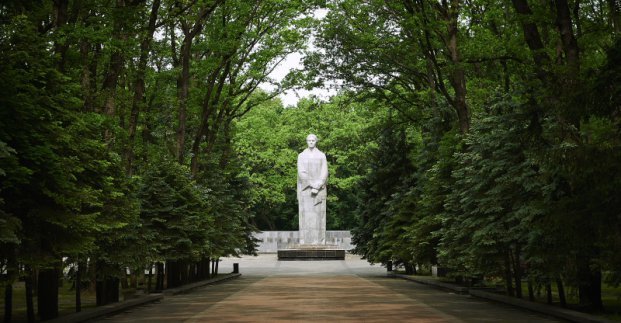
<point x="271" y="241"/>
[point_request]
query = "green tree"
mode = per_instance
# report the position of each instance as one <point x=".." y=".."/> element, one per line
<point x="378" y="235"/>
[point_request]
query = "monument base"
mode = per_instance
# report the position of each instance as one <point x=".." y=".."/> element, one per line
<point x="311" y="252"/>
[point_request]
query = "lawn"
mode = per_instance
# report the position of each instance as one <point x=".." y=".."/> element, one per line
<point x="66" y="300"/>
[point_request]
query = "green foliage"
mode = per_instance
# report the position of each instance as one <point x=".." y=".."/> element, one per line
<point x="96" y="99"/>
<point x="9" y="225"/>
<point x="495" y="198"/>
<point x="434" y="179"/>
<point x="530" y="190"/>
<point x="53" y="177"/>
<point x="89" y="122"/>
<point x="270" y="137"/>
<point x="384" y="214"/>
<point x="175" y="220"/>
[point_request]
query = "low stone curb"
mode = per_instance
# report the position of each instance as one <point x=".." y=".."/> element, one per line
<point x="188" y="287"/>
<point x="107" y="310"/>
<point x="433" y="282"/>
<point x="561" y="313"/>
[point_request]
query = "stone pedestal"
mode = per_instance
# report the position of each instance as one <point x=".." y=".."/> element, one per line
<point x="311" y="252"/>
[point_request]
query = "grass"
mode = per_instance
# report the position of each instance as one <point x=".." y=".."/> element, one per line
<point x="66" y="300"/>
<point x="611" y="296"/>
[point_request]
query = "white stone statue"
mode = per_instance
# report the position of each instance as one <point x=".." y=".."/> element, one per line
<point x="312" y="178"/>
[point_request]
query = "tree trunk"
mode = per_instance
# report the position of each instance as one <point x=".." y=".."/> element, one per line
<point x="614" y="7"/>
<point x="576" y="13"/>
<point x="192" y="272"/>
<point x="183" y="82"/>
<point x="517" y="272"/>
<point x="8" y="302"/>
<point x="210" y="101"/>
<point x="589" y="284"/>
<point x="78" y="287"/>
<point x="561" y="291"/>
<point x="508" y="280"/>
<point x="172" y="274"/>
<point x="133" y="278"/>
<point x="147" y="137"/>
<point x="568" y="40"/>
<point x="85" y="80"/>
<point x="110" y="83"/>
<point x="228" y="149"/>
<point x="139" y="100"/>
<point x="531" y="293"/>
<point x="61" y="16"/>
<point x="183" y="88"/>
<point x="183" y="274"/>
<point x="107" y="290"/>
<point x="457" y="74"/>
<point x="89" y="74"/>
<point x="12" y="272"/>
<point x="149" y="278"/>
<point x="115" y="66"/>
<point x="47" y="293"/>
<point x="549" y="292"/>
<point x="124" y="284"/>
<point x="199" y="270"/>
<point x="159" y="278"/>
<point x="206" y="273"/>
<point x="30" y="312"/>
<point x="107" y="286"/>
<point x="532" y="38"/>
<point x="92" y="275"/>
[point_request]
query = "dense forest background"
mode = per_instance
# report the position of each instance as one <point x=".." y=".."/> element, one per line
<point x="480" y="136"/>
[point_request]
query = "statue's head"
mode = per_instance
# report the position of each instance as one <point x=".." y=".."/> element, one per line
<point x="311" y="140"/>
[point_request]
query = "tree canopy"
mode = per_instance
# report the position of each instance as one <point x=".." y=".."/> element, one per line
<point x="477" y="136"/>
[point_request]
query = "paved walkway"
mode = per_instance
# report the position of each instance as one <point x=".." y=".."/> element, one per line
<point x="320" y="291"/>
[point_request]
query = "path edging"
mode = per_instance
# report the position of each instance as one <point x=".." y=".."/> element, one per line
<point x="562" y="313"/>
<point x="432" y="282"/>
<point x="114" y="308"/>
<point x="188" y="287"/>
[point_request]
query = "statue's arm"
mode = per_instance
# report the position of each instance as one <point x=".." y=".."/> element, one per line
<point x="324" y="171"/>
<point x="303" y="180"/>
<point x="323" y="176"/>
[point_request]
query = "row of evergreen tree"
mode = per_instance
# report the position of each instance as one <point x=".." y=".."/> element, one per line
<point x="115" y="137"/>
<point x="501" y="158"/>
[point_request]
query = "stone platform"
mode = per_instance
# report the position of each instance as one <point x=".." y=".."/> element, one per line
<point x="272" y="241"/>
<point x="312" y="252"/>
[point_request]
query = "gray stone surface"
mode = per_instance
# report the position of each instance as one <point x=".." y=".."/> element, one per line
<point x="321" y="291"/>
<point x="312" y="193"/>
<point x="272" y="241"/>
<point x="267" y="265"/>
<point x="311" y="254"/>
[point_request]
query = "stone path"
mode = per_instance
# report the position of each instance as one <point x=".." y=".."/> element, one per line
<point x="320" y="291"/>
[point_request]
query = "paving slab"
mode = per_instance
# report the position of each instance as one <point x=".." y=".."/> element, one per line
<point x="350" y="290"/>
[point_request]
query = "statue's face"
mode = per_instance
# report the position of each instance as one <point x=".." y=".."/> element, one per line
<point x="311" y="141"/>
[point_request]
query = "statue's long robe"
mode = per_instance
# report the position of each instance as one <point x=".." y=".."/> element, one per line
<point x="312" y="173"/>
